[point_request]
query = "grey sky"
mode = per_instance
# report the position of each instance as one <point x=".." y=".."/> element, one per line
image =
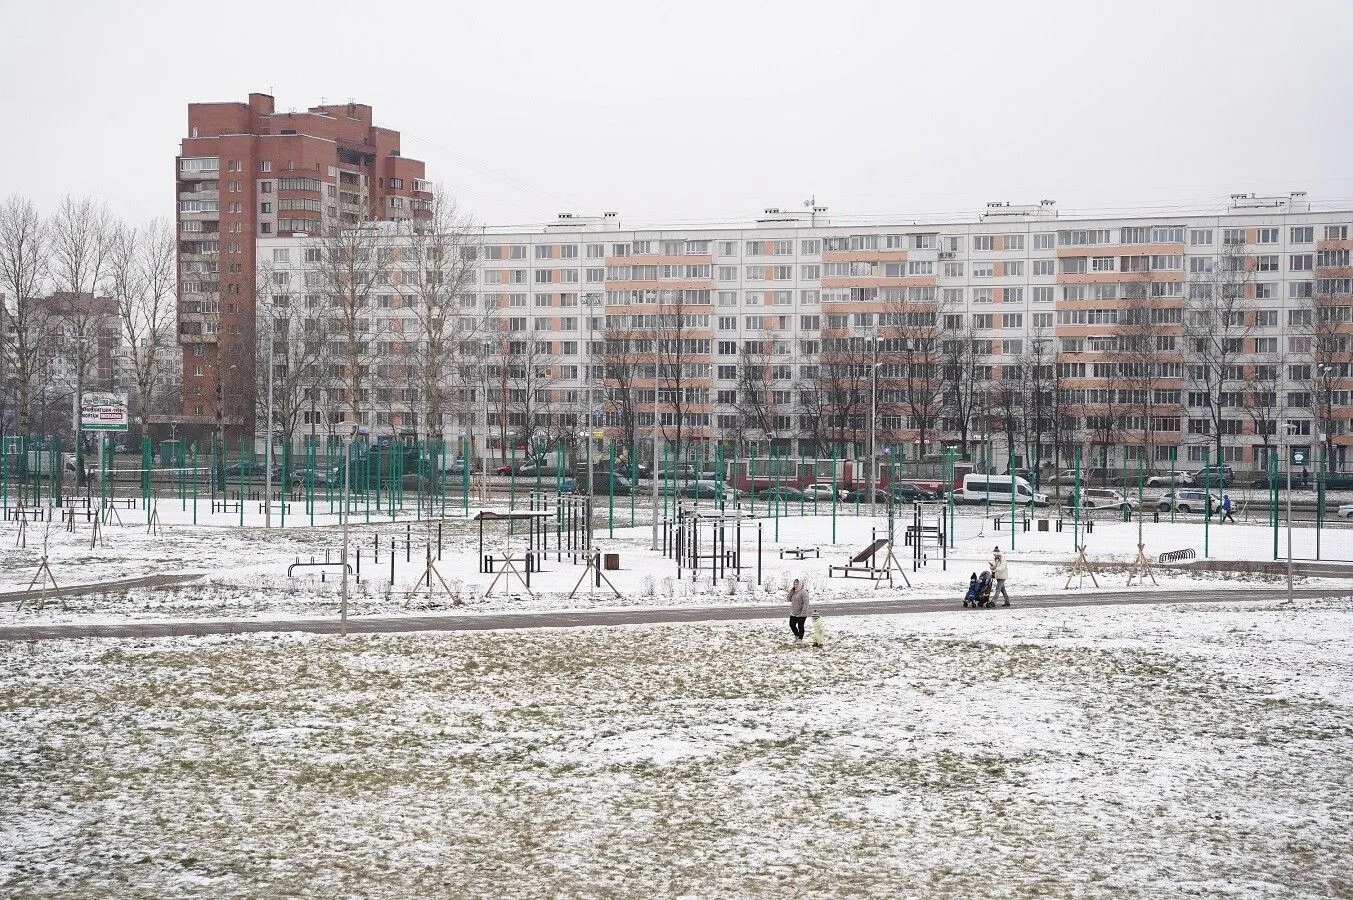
<point x="677" y="112"/>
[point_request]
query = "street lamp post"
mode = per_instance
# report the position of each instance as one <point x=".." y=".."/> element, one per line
<point x="653" y="473"/>
<point x="1289" y="429"/>
<point x="343" y="560"/>
<point x="267" y="453"/>
<point x="873" y="419"/>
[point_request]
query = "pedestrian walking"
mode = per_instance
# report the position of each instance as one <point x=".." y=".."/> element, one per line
<point x="999" y="571"/>
<point x="1226" y="510"/>
<point x="798" y="609"/>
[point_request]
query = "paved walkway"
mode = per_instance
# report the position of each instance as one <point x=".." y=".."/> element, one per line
<point x="467" y="620"/>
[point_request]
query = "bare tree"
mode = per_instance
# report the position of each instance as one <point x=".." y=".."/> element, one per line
<point x="1215" y="328"/>
<point x="1042" y="403"/>
<point x="1328" y="333"/>
<point x="682" y="362"/>
<point x="24" y="247"/>
<point x="529" y="400"/>
<point x="914" y="319"/>
<point x="440" y="250"/>
<point x="290" y="332"/>
<point x="141" y="281"/>
<point x="1008" y="395"/>
<point x="843" y="389"/>
<point x="965" y="361"/>
<point x="354" y="265"/>
<point x="1141" y="350"/>
<point x="756" y="414"/>
<point x="82" y="234"/>
<point x="626" y="350"/>
<point x="1262" y="403"/>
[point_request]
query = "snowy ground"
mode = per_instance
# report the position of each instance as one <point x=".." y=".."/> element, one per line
<point x="244" y="570"/>
<point x="1097" y="752"/>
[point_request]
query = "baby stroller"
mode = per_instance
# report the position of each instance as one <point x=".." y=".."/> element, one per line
<point x="979" y="593"/>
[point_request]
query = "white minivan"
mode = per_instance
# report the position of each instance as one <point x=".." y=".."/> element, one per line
<point x="996" y="489"/>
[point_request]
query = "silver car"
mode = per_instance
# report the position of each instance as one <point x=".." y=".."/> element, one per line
<point x="1171" y="479"/>
<point x="1346" y="511"/>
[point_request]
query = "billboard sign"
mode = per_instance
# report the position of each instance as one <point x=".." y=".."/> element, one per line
<point x="101" y="411"/>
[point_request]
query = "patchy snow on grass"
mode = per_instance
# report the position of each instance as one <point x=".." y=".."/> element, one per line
<point x="1143" y="751"/>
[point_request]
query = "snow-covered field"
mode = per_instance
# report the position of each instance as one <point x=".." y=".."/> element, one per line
<point x="244" y="570"/>
<point x="1154" y="751"/>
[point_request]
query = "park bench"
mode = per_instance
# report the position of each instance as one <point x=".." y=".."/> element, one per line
<point x="861" y="565"/>
<point x="800" y="552"/>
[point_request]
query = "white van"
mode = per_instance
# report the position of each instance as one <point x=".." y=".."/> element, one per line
<point x="997" y="489"/>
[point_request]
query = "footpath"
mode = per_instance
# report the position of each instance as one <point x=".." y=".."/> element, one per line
<point x="468" y="620"/>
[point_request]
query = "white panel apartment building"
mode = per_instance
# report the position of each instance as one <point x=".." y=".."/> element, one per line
<point x="795" y="286"/>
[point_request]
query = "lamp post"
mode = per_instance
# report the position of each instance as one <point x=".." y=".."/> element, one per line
<point x="653" y="473"/>
<point x="267" y="453"/>
<point x="343" y="560"/>
<point x="1289" y="429"/>
<point x="873" y="417"/>
<point x="484" y="457"/>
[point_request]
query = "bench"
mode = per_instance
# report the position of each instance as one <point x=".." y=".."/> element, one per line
<point x="800" y="552"/>
<point x="861" y="565"/>
<point x="278" y="505"/>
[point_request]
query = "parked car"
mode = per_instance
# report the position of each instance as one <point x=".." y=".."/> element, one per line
<point x="601" y="485"/>
<point x="330" y="477"/>
<point x="1106" y="498"/>
<point x="909" y="493"/>
<point x="1170" y="479"/>
<point x="708" y="490"/>
<point x="1066" y="476"/>
<point x="783" y="493"/>
<point x="1346" y="511"/>
<point x="822" y="491"/>
<point x="516" y="466"/>
<point x="679" y="472"/>
<point x="1186" y="501"/>
<point x="1218" y="475"/>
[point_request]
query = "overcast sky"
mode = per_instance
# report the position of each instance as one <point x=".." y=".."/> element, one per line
<point x="691" y="111"/>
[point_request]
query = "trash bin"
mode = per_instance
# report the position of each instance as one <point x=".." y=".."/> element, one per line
<point x="1042" y="524"/>
<point x="610" y="562"/>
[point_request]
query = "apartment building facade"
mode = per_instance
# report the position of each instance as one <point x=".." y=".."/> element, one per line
<point x="245" y="172"/>
<point x="1018" y="335"/>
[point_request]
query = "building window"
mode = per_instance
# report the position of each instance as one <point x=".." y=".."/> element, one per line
<point x="983" y="241"/>
<point x="1304" y="234"/>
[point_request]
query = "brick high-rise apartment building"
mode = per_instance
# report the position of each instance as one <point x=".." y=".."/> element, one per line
<point x="1176" y="339"/>
<point x="245" y="172"/>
